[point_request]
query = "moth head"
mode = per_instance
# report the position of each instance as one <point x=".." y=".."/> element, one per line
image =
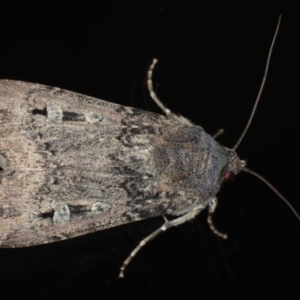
<point x="234" y="166"/>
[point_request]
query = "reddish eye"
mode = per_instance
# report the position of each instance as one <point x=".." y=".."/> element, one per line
<point x="228" y="177"/>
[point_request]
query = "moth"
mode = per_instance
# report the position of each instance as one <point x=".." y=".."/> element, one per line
<point x="71" y="164"/>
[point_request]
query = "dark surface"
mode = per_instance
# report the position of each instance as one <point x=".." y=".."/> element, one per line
<point x="211" y="63"/>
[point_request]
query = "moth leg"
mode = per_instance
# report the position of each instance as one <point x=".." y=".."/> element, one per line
<point x="218" y="133"/>
<point x="168" y="112"/>
<point x="168" y="224"/>
<point x="212" y="204"/>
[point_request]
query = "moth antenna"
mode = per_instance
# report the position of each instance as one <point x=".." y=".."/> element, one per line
<point x="261" y="86"/>
<point x="251" y="118"/>
<point x="273" y="189"/>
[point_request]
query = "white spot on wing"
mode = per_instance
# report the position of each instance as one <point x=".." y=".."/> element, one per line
<point x="61" y="215"/>
<point x="93" y="118"/>
<point x="100" y="207"/>
<point x="54" y="113"/>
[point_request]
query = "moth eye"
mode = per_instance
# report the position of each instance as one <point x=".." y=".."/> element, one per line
<point x="228" y="176"/>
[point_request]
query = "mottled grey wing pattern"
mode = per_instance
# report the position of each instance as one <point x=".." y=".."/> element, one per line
<point x="72" y="164"/>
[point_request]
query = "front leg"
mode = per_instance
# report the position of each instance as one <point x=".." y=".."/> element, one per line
<point x="168" y="224"/>
<point x="212" y="204"/>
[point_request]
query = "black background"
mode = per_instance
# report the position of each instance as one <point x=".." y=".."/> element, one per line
<point x="212" y="57"/>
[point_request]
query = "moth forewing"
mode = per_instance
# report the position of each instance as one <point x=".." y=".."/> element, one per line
<point x="72" y="164"/>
